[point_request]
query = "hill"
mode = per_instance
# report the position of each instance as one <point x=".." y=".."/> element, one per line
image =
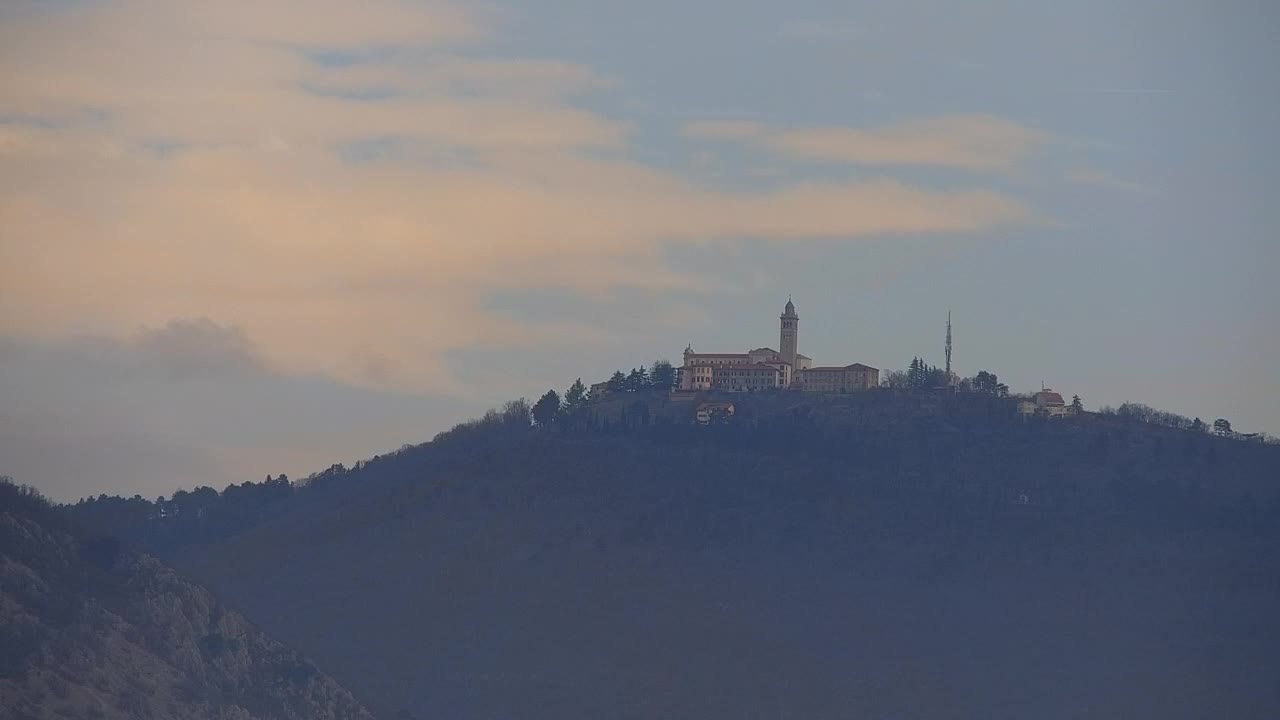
<point x="90" y="630"/>
<point x="879" y="555"/>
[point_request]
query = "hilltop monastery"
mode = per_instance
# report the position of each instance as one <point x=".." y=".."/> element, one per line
<point x="765" y="368"/>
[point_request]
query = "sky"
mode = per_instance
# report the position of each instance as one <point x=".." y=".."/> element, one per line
<point x="252" y="238"/>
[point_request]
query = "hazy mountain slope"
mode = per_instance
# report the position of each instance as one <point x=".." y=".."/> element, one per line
<point x="89" y="631"/>
<point x="786" y="571"/>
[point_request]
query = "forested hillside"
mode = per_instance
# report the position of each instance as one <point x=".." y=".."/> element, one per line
<point x="885" y="558"/>
<point x="90" y="630"/>
<point x="885" y="554"/>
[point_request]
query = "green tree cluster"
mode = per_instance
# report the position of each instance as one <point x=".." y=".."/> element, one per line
<point x="989" y="383"/>
<point x="923" y="376"/>
<point x="661" y="376"/>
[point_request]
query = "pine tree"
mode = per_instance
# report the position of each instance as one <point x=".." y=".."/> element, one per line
<point x="546" y="409"/>
<point x="1076" y="405"/>
<point x="638" y="380"/>
<point x="617" y="382"/>
<point x="662" y="376"/>
<point x="575" y="398"/>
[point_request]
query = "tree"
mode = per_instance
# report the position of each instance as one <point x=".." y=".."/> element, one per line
<point x="662" y="376"/>
<point x="516" y="412"/>
<point x="896" y="379"/>
<point x="1100" y="447"/>
<point x="639" y="413"/>
<point x="546" y="409"/>
<point x="921" y="375"/>
<point x="638" y="380"/>
<point x="914" y="371"/>
<point x="1198" y="425"/>
<point x="986" y="382"/>
<point x="617" y="382"/>
<point x="932" y="376"/>
<point x="575" y="398"/>
<point x="1222" y="427"/>
<point x="1076" y="405"/>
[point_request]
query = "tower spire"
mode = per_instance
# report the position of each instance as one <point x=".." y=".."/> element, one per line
<point x="788" y="334"/>
<point x="948" y="347"/>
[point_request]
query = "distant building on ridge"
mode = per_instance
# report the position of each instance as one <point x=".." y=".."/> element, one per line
<point x="767" y="369"/>
<point x="840" y="379"/>
<point x="1045" y="403"/>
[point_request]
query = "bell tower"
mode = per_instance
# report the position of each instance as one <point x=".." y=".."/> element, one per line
<point x="789" y="334"/>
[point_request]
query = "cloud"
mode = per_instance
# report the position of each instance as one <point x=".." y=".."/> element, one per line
<point x="420" y="74"/>
<point x="196" y="347"/>
<point x="977" y="143"/>
<point x="161" y="164"/>
<point x="180" y="350"/>
<point x="85" y="415"/>
<point x="309" y="24"/>
<point x="1095" y="178"/>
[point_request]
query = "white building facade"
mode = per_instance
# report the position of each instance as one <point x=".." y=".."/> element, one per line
<point x="759" y="369"/>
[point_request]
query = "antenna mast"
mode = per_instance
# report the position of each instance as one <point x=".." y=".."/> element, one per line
<point x="948" y="347"/>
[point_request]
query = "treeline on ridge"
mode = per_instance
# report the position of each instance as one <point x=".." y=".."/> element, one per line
<point x="964" y="445"/>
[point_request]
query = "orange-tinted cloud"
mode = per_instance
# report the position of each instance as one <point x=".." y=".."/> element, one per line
<point x="969" y="142"/>
<point x="191" y="165"/>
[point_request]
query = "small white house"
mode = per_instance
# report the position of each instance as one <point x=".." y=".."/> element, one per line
<point x="710" y="412"/>
<point x="1050" y="404"/>
<point x="1047" y="404"/>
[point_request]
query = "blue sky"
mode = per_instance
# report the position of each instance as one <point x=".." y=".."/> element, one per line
<point x="252" y="238"/>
